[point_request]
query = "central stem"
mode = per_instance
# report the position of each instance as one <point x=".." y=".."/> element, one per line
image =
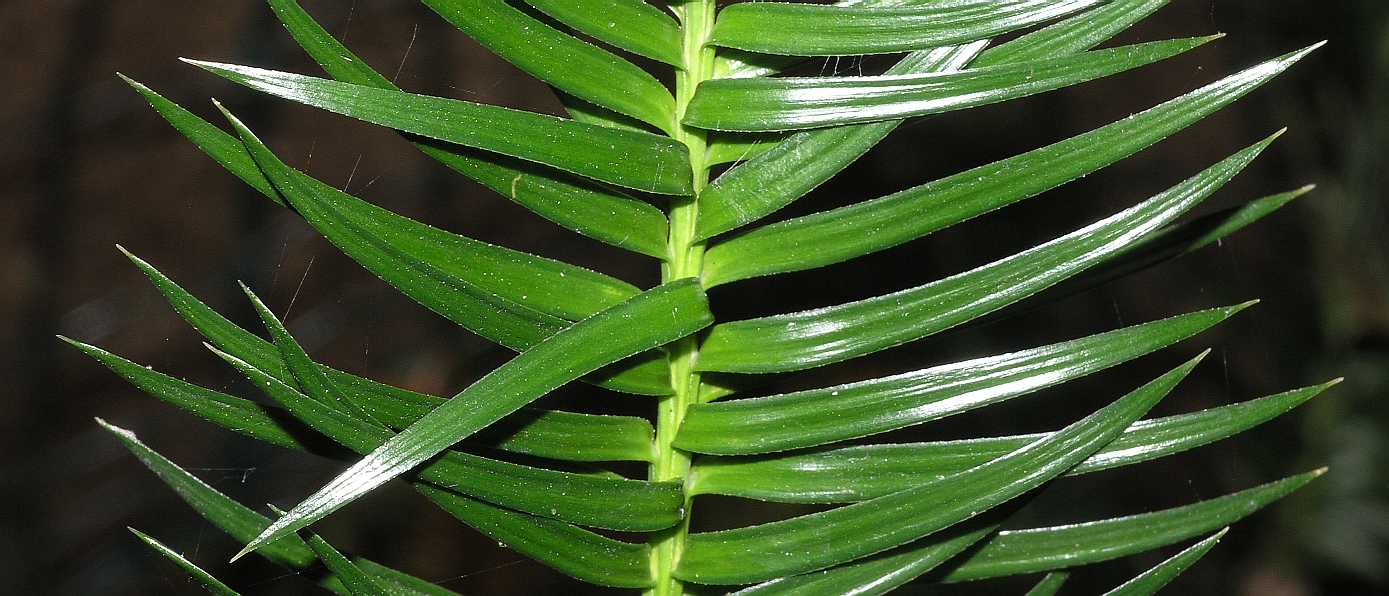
<point x="685" y="259"/>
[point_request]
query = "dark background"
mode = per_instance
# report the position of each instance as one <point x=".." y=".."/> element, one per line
<point x="88" y="165"/>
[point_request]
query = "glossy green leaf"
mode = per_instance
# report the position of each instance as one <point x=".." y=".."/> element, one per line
<point x="1156" y="578"/>
<point x="840" y="234"/>
<point x="649" y="376"/>
<point x="509" y="297"/>
<point x="357" y="582"/>
<point x="818" y="416"/>
<point x="574" y="551"/>
<point x="822" y="336"/>
<point x="574" y="66"/>
<point x="653" y="318"/>
<point x="808" y="158"/>
<point x="1017" y="552"/>
<point x="1081" y="32"/>
<point x="1166" y="244"/>
<point x="244" y="416"/>
<point x="862" y="472"/>
<point x="403" y="582"/>
<point x="242" y="523"/>
<point x="792" y="103"/>
<point x="204" y="579"/>
<point x="642" y="161"/>
<point x="306" y="374"/>
<point x="819" y="540"/>
<point x="1049" y="584"/>
<point x="612" y="503"/>
<point x="885" y="572"/>
<point x="633" y="25"/>
<point x="232" y="517"/>
<point x="545" y="433"/>
<point x="818" y="30"/>
<point x="589" y="209"/>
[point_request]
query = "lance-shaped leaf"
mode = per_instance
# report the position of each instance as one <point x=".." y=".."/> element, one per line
<point x="306" y="374"/>
<point x="574" y="551"/>
<point x="597" y="212"/>
<point x="806" y="159"/>
<point x="840" y="234"/>
<point x="819" y="416"/>
<point x="241" y="522"/>
<point x="401" y="582"/>
<point x="633" y="25"/>
<point x="791" y="103"/>
<point x="649" y="376"/>
<point x="570" y="64"/>
<point x="231" y="517"/>
<point x="204" y="579"/>
<point x="1080" y="32"/>
<point x="480" y="287"/>
<point x="653" y="318"/>
<point x="822" y="336"/>
<point x="862" y="472"/>
<point x="819" y="30"/>
<point x="254" y="420"/>
<point x="1034" y="550"/>
<point x="642" y="161"/>
<point x="546" y="433"/>
<point x="1050" y="584"/>
<point x="885" y="572"/>
<point x="612" y="561"/>
<point x="590" y="209"/>
<point x="356" y="581"/>
<point x="613" y="503"/>
<point x="1156" y="578"/>
<point x="820" y="540"/>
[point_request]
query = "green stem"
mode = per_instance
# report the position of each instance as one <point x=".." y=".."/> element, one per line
<point x="685" y="259"/>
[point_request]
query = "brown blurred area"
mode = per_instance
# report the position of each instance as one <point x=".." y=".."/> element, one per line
<point x="89" y="165"/>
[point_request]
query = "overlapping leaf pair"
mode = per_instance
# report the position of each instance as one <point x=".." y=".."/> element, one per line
<point x="630" y="143"/>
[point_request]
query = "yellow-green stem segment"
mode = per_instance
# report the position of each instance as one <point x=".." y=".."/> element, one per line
<point x="685" y="259"/>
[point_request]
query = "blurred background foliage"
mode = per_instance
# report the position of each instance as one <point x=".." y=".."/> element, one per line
<point x="88" y="165"/>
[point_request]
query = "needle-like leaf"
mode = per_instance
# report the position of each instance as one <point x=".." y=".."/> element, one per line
<point x="862" y="472"/>
<point x="819" y="30"/>
<point x="574" y="551"/>
<point x="485" y="289"/>
<point x="642" y="161"/>
<point x="545" y="433"/>
<point x="817" y="337"/>
<point x="1154" y="579"/>
<point x="820" y="540"/>
<point x="575" y="66"/>
<point x="819" y="416"/>
<point x="651" y="319"/>
<point x="204" y="579"/>
<point x="233" y="518"/>
<point x="1050" y="584"/>
<point x="1033" y="550"/>
<point x="790" y="169"/>
<point x="840" y="234"/>
<point x="792" y="103"/>
<point x="806" y="159"/>
<point x="633" y="25"/>
<point x="593" y="210"/>
<point x="614" y="503"/>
